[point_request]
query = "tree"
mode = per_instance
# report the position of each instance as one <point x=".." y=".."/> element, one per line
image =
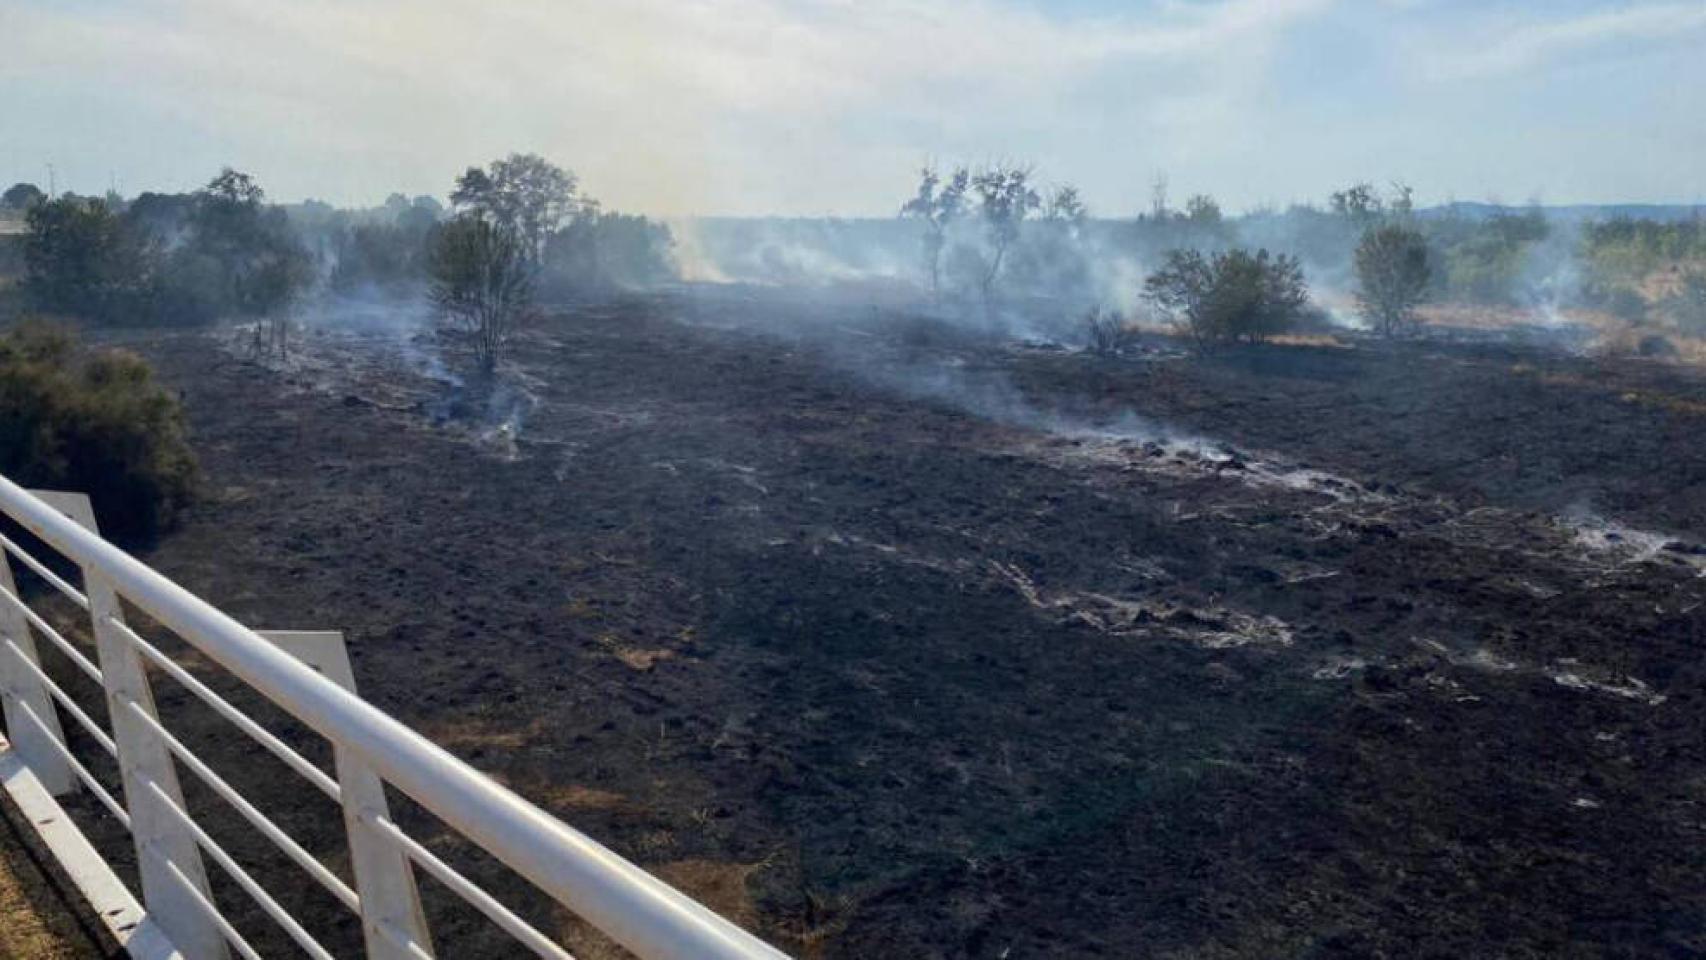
<point x="1201" y="210"/>
<point x="937" y="204"/>
<point x="1393" y="271"/>
<point x="1403" y="203"/>
<point x="1064" y="205"/>
<point x="1359" y="202"/>
<point x="22" y="196"/>
<point x="1005" y="199"/>
<point x="242" y="255"/>
<point x="81" y="259"/>
<point x="1158" y="198"/>
<point x="600" y="249"/>
<point x="524" y="194"/>
<point x="1229" y="297"/>
<point x="482" y="279"/>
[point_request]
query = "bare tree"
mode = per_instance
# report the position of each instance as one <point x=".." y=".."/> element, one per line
<point x="937" y="204"/>
<point x="1005" y="199"/>
<point x="1393" y="272"/>
<point x="1158" y="198"/>
<point x="1403" y="200"/>
<point x="482" y="279"/>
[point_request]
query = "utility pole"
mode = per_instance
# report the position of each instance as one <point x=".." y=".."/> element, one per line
<point x="52" y="186"/>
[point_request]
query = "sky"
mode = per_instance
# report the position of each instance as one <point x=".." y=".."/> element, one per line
<point x="829" y="107"/>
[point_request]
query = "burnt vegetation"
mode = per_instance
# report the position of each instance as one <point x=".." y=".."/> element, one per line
<point x="1321" y="581"/>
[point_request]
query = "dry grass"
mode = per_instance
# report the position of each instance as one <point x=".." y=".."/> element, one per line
<point x="642" y="659"/>
<point x="24" y="933"/>
<point x="1613" y="336"/>
<point x="1626" y="341"/>
<point x="1648" y="398"/>
<point x="36" y="921"/>
<point x="480" y="732"/>
<point x="577" y="797"/>
<point x="1475" y="316"/>
<point x="1310" y="340"/>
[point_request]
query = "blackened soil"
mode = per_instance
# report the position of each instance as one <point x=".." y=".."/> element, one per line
<point x="893" y="642"/>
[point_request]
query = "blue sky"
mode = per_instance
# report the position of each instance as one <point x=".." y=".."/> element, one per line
<point x="764" y="106"/>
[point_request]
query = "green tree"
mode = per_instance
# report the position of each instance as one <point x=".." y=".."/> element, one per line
<point x="22" y="196"/>
<point x="1005" y="198"/>
<point x="599" y="249"/>
<point x="82" y="259"/>
<point x="937" y="205"/>
<point x="1393" y="270"/>
<point x="523" y="194"/>
<point x="1064" y="205"/>
<point x="1359" y="203"/>
<point x="482" y="280"/>
<point x="242" y="254"/>
<point x="1201" y="210"/>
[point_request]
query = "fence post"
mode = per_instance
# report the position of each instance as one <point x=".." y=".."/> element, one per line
<point x="384" y="877"/>
<point x="19" y="686"/>
<point x="161" y="841"/>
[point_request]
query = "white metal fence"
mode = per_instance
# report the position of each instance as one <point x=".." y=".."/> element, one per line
<point x="308" y="676"/>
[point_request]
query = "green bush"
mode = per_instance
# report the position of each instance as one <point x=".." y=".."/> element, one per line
<point x="94" y="422"/>
<point x="1231" y="297"/>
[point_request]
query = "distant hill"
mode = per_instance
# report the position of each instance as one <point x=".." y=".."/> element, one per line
<point x="1574" y="213"/>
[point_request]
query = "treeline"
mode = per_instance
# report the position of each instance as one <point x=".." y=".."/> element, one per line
<point x="993" y="232"/>
<point x="224" y="251"/>
<point x="163" y="258"/>
<point x="993" y="229"/>
<point x="1628" y="250"/>
<point x="997" y="228"/>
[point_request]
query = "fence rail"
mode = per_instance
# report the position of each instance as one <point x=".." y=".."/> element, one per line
<point x="307" y="675"/>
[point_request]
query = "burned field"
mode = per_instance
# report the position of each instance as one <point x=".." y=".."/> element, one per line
<point x="886" y="639"/>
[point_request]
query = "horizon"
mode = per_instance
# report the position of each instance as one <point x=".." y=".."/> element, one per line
<point x="754" y="108"/>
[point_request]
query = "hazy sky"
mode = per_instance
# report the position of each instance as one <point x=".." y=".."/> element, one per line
<point x="755" y="106"/>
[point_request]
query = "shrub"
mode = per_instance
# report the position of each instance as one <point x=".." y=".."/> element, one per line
<point x="94" y="422"/>
<point x="1230" y="297"/>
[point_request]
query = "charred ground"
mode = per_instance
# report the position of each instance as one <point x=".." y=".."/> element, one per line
<point x="892" y="640"/>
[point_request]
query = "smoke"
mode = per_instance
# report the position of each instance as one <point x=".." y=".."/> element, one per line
<point x="795" y="252"/>
<point x="1551" y="276"/>
<point x="1049" y="279"/>
<point x="401" y="323"/>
